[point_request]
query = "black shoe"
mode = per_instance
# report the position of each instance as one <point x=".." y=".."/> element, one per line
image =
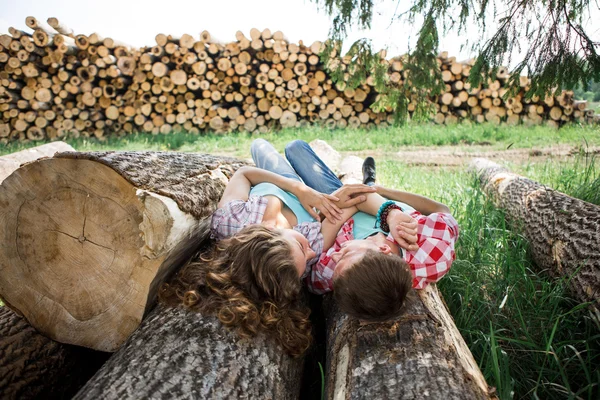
<point x="368" y="170"/>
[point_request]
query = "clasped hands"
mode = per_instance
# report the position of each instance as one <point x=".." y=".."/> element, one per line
<point x="403" y="227"/>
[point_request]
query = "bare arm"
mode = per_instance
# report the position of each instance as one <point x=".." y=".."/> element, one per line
<point x="422" y="204"/>
<point x="330" y="228"/>
<point x="244" y="178"/>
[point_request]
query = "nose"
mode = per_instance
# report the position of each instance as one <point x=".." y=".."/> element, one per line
<point x="310" y="254"/>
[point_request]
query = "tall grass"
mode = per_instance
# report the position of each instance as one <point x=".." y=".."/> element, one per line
<point x="530" y="339"/>
<point x="579" y="178"/>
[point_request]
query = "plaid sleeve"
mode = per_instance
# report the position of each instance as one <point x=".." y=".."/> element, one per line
<point x="320" y="279"/>
<point x="232" y="217"/>
<point x="436" y="236"/>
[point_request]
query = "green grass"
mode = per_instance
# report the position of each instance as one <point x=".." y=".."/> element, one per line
<point x="579" y="178"/>
<point x="529" y="338"/>
<point x="384" y="139"/>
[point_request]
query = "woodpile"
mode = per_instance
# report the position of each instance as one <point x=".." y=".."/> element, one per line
<point x="563" y="232"/>
<point x="55" y="83"/>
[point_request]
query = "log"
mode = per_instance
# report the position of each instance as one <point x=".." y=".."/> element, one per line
<point x="102" y="224"/>
<point x="563" y="232"/>
<point x="11" y="162"/>
<point x="33" y="366"/>
<point x="419" y="353"/>
<point x="180" y="354"/>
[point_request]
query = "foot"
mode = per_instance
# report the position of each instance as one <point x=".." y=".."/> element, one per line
<point x="368" y="170"/>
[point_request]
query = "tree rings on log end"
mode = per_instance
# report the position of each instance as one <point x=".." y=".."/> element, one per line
<point x="80" y="249"/>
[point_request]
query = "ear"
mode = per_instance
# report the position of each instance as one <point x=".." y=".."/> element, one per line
<point x="385" y="249"/>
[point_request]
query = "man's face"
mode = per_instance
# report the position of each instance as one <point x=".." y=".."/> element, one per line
<point x="353" y="251"/>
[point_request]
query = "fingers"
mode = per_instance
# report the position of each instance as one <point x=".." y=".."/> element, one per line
<point x="333" y="212"/>
<point x="335" y="208"/>
<point x="407" y="229"/>
<point x="354" y="189"/>
<point x="331" y="197"/>
<point x="405" y="245"/>
<point x="410" y="238"/>
<point x="359" y="186"/>
<point x="354" y="201"/>
<point x="314" y="214"/>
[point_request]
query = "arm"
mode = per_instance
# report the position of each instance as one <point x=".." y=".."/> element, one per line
<point x="330" y="228"/>
<point x="422" y="204"/>
<point x="244" y="178"/>
<point x="403" y="227"/>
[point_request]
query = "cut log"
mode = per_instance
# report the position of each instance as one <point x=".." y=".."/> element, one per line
<point x="33" y="366"/>
<point x="181" y="354"/>
<point x="11" y="162"/>
<point x="420" y="352"/>
<point x="563" y="232"/>
<point x="84" y="236"/>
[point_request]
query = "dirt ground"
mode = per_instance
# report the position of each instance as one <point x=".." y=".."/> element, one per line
<point x="461" y="156"/>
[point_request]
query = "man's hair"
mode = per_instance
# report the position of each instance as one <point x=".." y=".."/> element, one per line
<point x="374" y="288"/>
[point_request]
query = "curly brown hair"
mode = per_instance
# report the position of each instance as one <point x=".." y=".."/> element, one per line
<point x="250" y="283"/>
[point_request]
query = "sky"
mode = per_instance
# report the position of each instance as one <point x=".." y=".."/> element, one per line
<point x="137" y="22"/>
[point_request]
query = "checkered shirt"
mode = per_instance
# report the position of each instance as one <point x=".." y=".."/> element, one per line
<point x="436" y="235"/>
<point x="236" y="214"/>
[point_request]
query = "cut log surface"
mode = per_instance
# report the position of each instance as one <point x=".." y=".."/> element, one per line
<point x="418" y="355"/>
<point x="33" y="366"/>
<point x="563" y="232"/>
<point x="88" y="233"/>
<point x="180" y="354"/>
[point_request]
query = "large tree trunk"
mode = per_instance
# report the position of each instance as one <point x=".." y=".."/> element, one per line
<point x="180" y="354"/>
<point x="33" y="366"/>
<point x="563" y="232"/>
<point x="84" y="236"/>
<point x="419" y="355"/>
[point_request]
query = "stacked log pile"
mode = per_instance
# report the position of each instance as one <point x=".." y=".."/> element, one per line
<point x="54" y="83"/>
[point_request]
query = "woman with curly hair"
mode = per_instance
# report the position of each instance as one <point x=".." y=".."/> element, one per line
<point x="268" y="235"/>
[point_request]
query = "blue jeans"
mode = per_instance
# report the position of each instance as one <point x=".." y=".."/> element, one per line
<point x="304" y="165"/>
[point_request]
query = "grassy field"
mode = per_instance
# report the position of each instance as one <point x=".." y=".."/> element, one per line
<point x="530" y="339"/>
<point x="388" y="139"/>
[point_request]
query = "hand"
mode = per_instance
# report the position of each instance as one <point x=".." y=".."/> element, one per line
<point x="403" y="228"/>
<point x="349" y="195"/>
<point x="310" y="198"/>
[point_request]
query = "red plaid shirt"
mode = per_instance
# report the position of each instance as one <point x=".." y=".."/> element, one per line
<point x="436" y="235"/>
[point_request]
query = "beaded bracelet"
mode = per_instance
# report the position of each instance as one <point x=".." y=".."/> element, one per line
<point x="383" y="212"/>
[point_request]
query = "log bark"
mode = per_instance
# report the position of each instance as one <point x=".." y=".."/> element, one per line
<point x="180" y="354"/>
<point x="421" y="354"/>
<point x="84" y="236"/>
<point x="33" y="366"/>
<point x="563" y="232"/>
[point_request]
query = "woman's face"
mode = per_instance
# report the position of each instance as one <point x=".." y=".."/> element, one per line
<point x="301" y="250"/>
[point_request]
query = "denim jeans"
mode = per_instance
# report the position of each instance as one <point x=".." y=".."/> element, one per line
<point x="304" y="165"/>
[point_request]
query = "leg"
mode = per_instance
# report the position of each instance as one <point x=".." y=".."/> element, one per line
<point x="311" y="168"/>
<point x="266" y="157"/>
